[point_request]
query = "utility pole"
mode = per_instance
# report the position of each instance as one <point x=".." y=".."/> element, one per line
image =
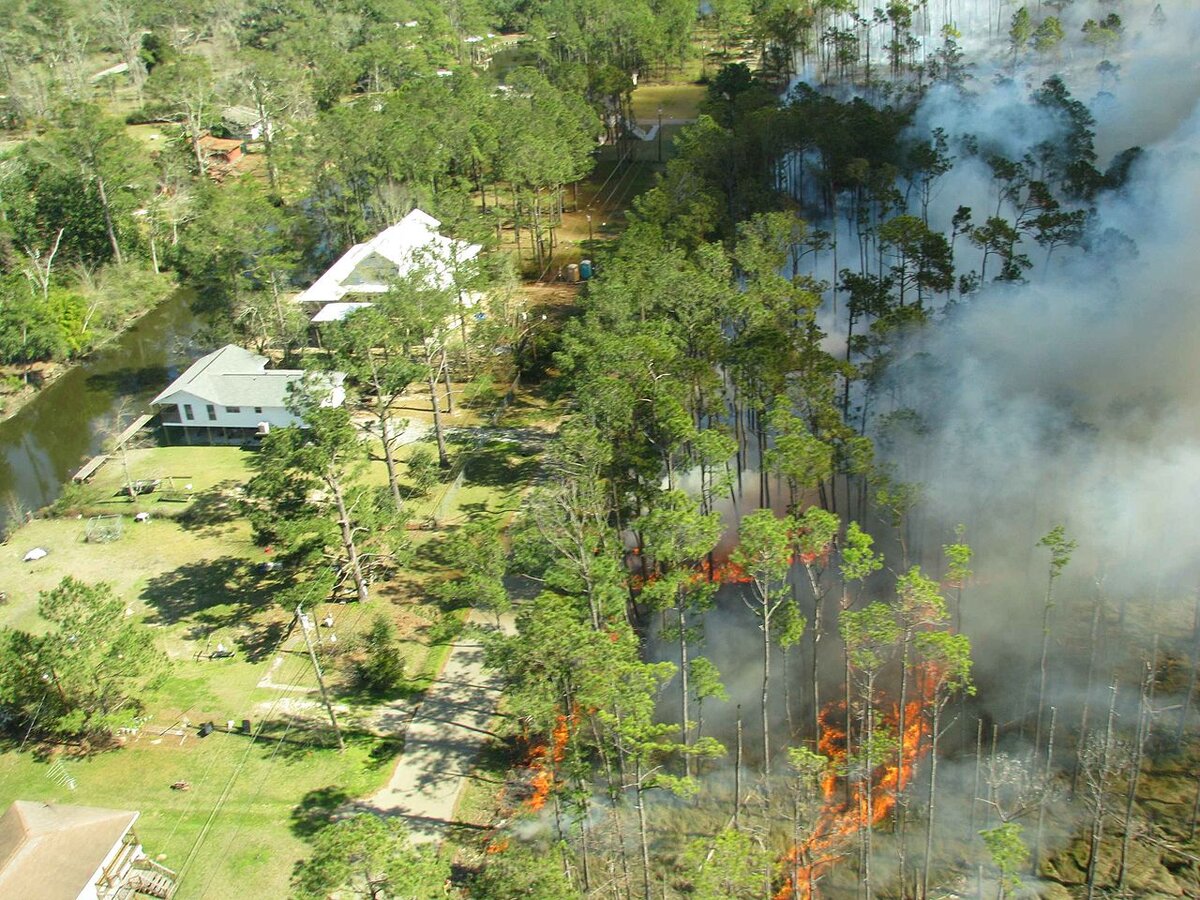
<point x="320" y="678"/>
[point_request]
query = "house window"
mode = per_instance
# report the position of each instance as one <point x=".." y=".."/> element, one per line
<point x="212" y="413"/>
<point x="258" y="409"/>
<point x="233" y="409"/>
<point x="187" y="412"/>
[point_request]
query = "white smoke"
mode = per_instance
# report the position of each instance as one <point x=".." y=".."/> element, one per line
<point x="1073" y="397"/>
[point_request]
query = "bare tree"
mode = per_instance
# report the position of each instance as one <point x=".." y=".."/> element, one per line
<point x="119" y="24"/>
<point x="1103" y="758"/>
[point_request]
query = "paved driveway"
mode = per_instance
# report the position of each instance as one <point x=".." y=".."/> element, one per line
<point x="444" y="739"/>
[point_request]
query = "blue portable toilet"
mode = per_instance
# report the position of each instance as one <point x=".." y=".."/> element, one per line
<point x="585" y="269"/>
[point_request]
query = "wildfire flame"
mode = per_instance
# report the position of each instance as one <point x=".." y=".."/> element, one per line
<point x="543" y="780"/>
<point x="542" y="761"/>
<point x="841" y="818"/>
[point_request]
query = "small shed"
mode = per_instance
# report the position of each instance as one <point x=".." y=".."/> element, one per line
<point x="223" y="151"/>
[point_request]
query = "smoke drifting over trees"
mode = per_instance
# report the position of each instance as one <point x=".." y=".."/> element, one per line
<point x="984" y="334"/>
<point x="1071" y="396"/>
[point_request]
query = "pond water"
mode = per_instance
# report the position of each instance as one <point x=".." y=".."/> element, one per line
<point x="43" y="445"/>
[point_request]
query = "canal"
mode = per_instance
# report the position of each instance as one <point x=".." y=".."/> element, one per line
<point x="72" y="419"/>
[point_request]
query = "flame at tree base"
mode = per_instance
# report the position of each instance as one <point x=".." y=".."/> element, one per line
<point x="853" y="804"/>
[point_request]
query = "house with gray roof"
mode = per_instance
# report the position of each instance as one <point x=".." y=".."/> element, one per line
<point x="231" y="397"/>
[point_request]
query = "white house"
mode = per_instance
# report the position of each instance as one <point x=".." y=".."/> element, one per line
<point x="370" y="267"/>
<point x="53" y="852"/>
<point x="230" y="396"/>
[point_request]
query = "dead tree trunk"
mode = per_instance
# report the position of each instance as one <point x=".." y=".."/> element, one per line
<point x="352" y="558"/>
<point x="1135" y="767"/>
<point x="1100" y="807"/>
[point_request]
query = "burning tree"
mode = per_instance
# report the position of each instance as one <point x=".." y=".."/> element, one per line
<point x="811" y="779"/>
<point x="871" y="634"/>
<point x="920" y="607"/>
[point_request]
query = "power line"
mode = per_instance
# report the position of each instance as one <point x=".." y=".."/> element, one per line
<point x="199" y="841"/>
<point x="281" y="692"/>
<point x="302" y="619"/>
<point x="193" y="853"/>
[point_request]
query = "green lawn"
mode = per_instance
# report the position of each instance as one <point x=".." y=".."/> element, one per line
<point x="194" y="574"/>
<point x="241" y="826"/>
<point x="678" y="101"/>
<point x="205" y="474"/>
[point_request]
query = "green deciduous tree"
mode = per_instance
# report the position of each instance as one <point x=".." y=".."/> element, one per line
<point x="380" y="669"/>
<point x="418" y="307"/>
<point x="108" y="162"/>
<point x="677" y="536"/>
<point x="1048" y="36"/>
<point x="764" y="553"/>
<point x="727" y="866"/>
<point x="948" y="672"/>
<point x="814" y="533"/>
<point x="306" y="495"/>
<point x="520" y="872"/>
<point x="958" y="569"/>
<point x="1020" y="30"/>
<point x="88" y="674"/>
<point x="871" y="636"/>
<point x="238" y="250"/>
<point x="186" y="89"/>
<point x="1061" y="548"/>
<point x="476" y="552"/>
<point x="372" y="352"/>
<point x="1009" y="855"/>
<point x="370" y="857"/>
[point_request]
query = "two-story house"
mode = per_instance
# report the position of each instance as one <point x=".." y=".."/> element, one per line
<point x="231" y="397"/>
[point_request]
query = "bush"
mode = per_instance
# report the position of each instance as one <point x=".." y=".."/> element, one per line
<point x="72" y="501"/>
<point x="481" y="393"/>
<point x="381" y="669"/>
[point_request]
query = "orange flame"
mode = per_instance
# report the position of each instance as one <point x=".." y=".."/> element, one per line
<point x="840" y="818"/>
<point x="727" y="572"/>
<point x="543" y="780"/>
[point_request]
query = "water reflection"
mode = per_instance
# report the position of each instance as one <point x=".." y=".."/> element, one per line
<point x="47" y="441"/>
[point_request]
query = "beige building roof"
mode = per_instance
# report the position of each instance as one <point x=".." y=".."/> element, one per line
<point x="51" y="852"/>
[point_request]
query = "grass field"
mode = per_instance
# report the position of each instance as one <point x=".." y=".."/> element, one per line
<point x="250" y="806"/>
<point x="678" y="101"/>
<point x="194" y="574"/>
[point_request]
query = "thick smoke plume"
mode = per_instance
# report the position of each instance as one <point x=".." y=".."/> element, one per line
<point x="1073" y="397"/>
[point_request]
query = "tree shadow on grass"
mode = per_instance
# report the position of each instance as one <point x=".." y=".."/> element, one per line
<point x="501" y="464"/>
<point x="258" y="643"/>
<point x="215" y="594"/>
<point x="193" y="588"/>
<point x="471" y="511"/>
<point x="211" y="509"/>
<point x="317" y="810"/>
